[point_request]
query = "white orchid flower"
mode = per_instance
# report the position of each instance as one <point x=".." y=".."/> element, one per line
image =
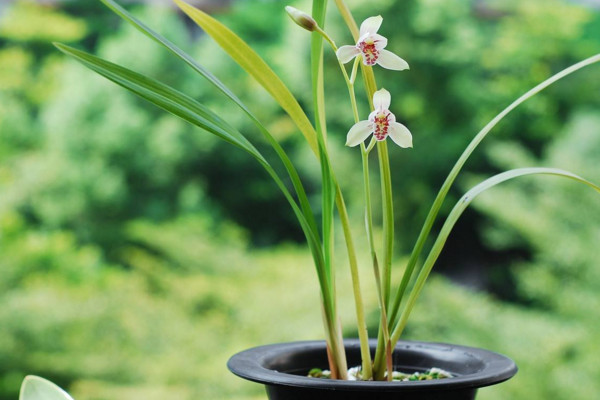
<point x="381" y="123"/>
<point x="372" y="48"/>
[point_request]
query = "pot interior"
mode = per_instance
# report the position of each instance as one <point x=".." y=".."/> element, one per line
<point x="407" y="358"/>
<point x="287" y="364"/>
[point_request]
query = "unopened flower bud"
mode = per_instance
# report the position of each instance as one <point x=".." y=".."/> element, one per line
<point x="302" y="18"/>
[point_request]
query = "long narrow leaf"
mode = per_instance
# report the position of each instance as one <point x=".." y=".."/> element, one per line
<point x="139" y="25"/>
<point x="328" y="195"/>
<point x="328" y="191"/>
<point x="437" y="204"/>
<point x="453" y="217"/>
<point x="327" y="181"/>
<point x="164" y="97"/>
<point x="254" y="65"/>
<point x="293" y="174"/>
<point x="190" y="110"/>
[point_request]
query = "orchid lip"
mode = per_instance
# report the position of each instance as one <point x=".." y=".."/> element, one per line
<point x="381" y="124"/>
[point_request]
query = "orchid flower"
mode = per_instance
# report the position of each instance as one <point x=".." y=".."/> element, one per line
<point x="372" y="47"/>
<point x="381" y="123"/>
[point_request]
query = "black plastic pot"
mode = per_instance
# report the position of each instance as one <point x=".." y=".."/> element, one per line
<point x="282" y="368"/>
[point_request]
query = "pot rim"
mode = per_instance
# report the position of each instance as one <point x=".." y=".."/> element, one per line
<point x="250" y="364"/>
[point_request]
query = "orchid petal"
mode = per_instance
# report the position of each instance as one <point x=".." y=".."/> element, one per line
<point x="389" y="60"/>
<point x="382" y="99"/>
<point x="347" y="53"/>
<point x="380" y="41"/>
<point x="364" y="37"/>
<point x="400" y="134"/>
<point x="359" y="132"/>
<point x="370" y="25"/>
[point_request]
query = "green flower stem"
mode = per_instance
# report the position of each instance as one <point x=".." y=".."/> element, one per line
<point x="384" y="331"/>
<point x="367" y="371"/>
<point x="371" y="145"/>
<point x="384" y="345"/>
<point x="388" y="217"/>
<point x="383" y="348"/>
<point x="353" y="102"/>
<point x="354" y="69"/>
<point x="383" y="286"/>
<point x="363" y="334"/>
<point x="343" y="213"/>
<point x="369" y="223"/>
<point x="367" y="187"/>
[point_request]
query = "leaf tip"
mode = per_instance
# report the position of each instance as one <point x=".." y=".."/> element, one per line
<point x="33" y="386"/>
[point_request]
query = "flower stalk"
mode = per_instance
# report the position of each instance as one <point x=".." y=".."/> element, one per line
<point x="328" y="173"/>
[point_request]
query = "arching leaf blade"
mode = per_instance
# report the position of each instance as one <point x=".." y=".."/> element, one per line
<point x="36" y="388"/>
<point x="190" y="110"/>
<point x="294" y="177"/>
<point x="146" y="30"/>
<point x="453" y="217"/>
<point x="256" y="67"/>
<point x="162" y="96"/>
<point x="439" y="200"/>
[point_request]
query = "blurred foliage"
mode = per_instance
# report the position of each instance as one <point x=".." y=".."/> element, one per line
<point x="122" y="275"/>
<point x="27" y="22"/>
<point x="564" y="258"/>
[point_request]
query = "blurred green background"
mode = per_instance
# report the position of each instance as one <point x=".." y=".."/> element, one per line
<point x="137" y="253"/>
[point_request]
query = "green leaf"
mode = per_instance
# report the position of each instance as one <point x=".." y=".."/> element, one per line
<point x="327" y="179"/>
<point x="328" y="192"/>
<point x="139" y="25"/>
<point x="190" y="110"/>
<point x="254" y="65"/>
<point x="293" y="174"/>
<point x="164" y="97"/>
<point x="453" y="217"/>
<point x="36" y="388"/>
<point x="439" y="200"/>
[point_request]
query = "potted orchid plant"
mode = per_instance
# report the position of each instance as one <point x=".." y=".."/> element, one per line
<point x="372" y="357"/>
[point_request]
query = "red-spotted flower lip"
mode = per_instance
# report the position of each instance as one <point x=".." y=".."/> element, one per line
<point x="381" y="123"/>
<point x="371" y="47"/>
